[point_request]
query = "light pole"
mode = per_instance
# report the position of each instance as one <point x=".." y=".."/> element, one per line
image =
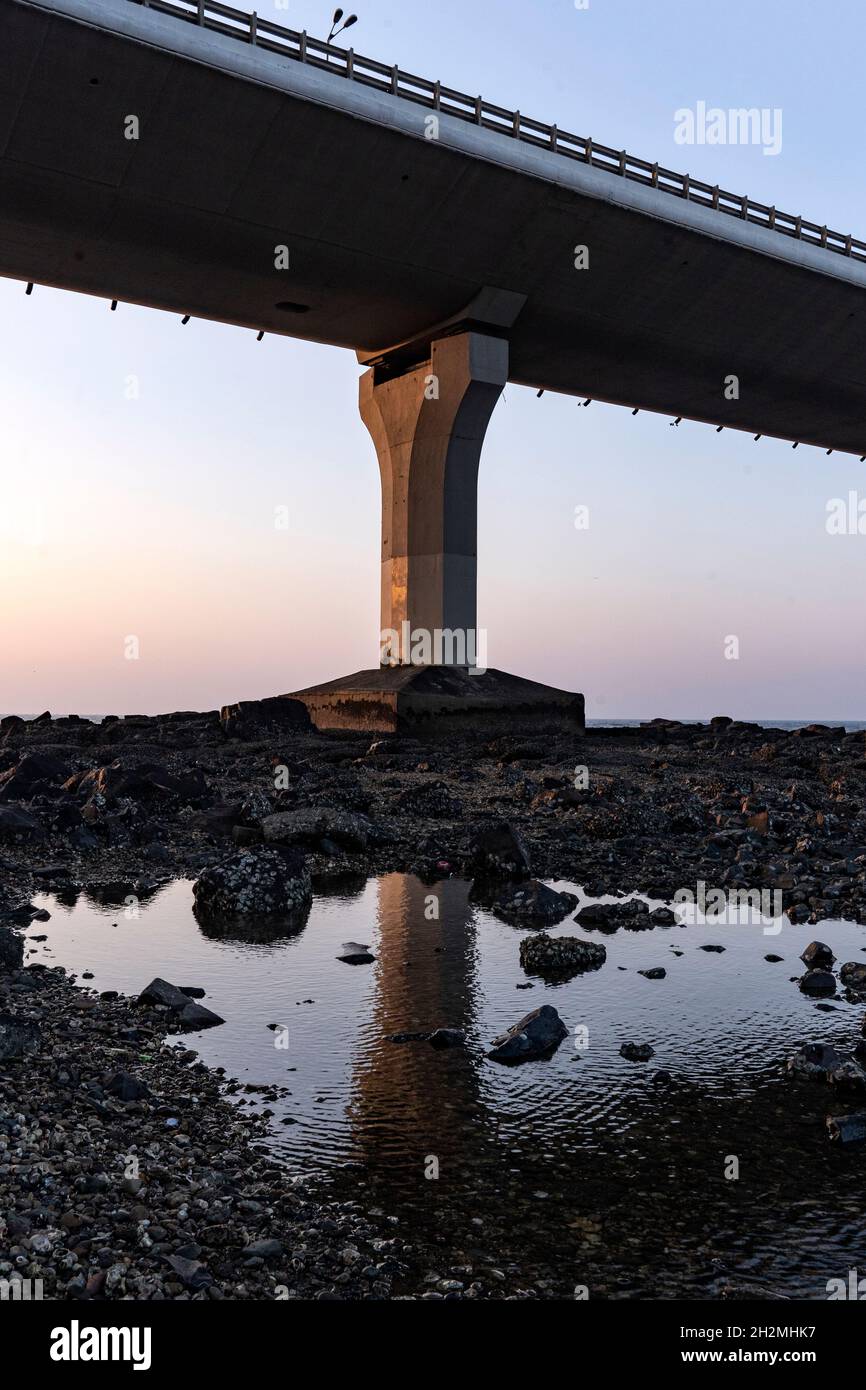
<point x="347" y="24"/>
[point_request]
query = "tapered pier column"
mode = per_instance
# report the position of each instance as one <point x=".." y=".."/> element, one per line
<point x="428" y="426"/>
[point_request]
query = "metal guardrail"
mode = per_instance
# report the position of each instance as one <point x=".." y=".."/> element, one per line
<point x="251" y="28"/>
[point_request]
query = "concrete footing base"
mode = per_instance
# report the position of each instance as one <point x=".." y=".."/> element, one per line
<point x="438" y="699"/>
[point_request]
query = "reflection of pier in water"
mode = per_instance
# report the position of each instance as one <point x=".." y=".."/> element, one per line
<point x="426" y="979"/>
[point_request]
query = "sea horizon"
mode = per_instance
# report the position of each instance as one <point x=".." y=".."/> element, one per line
<point x="850" y="725"/>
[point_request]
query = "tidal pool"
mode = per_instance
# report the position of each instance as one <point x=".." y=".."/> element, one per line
<point x="581" y="1170"/>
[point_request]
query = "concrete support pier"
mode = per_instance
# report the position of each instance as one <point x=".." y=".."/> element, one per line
<point x="427" y="421"/>
<point x="428" y="427"/>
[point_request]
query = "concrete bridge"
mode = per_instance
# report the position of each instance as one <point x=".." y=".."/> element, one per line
<point x="193" y="158"/>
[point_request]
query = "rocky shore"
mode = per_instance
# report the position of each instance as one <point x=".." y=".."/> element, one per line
<point x="124" y="1173"/>
<point x="135" y="801"/>
<point x="124" y="1170"/>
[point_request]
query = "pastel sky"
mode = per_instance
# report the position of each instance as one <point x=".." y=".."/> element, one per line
<point x="154" y="517"/>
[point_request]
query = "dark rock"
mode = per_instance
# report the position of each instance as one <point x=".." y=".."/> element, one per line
<point x="17" y="1037"/>
<point x="22" y="781"/>
<point x="818" y="982"/>
<point x="848" y="1078"/>
<point x="142" y="781"/>
<point x="497" y="851"/>
<point x="634" y="915"/>
<point x="853" y="976"/>
<point x="447" y="1037"/>
<point x="255" y="808"/>
<point x="353" y="953"/>
<point x="264" y="1249"/>
<point x="847" y="1129"/>
<point x="818" y="955"/>
<point x="126" y="1087"/>
<point x="717" y="949"/>
<point x="246" y="835"/>
<point x="254" y="883"/>
<point x="814" y="1062"/>
<point x="429" y="800"/>
<point x="17" y="824"/>
<point x="190" y="1272"/>
<point x="309" y="826"/>
<point x="11" y="949"/>
<point x="663" y="917"/>
<point x="658" y="972"/>
<point x="636" y="1052"/>
<point x="19" y="916"/>
<point x="256" y="719"/>
<point x="528" y="903"/>
<point x="537" y="1035"/>
<point x="797" y="913"/>
<point x="185" y="1014"/>
<point x="160" y="993"/>
<point x="196" y="1016"/>
<point x="219" y="819"/>
<point x="560" y="955"/>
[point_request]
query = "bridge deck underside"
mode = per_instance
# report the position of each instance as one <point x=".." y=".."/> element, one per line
<point x="390" y="235"/>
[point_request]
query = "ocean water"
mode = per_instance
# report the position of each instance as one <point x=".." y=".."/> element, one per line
<point x="850" y="726"/>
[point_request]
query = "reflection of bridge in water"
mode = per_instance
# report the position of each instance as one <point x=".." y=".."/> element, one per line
<point x="481" y="1122"/>
<point x="426" y="979"/>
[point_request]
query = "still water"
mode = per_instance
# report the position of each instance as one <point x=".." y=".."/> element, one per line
<point x="584" y="1168"/>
